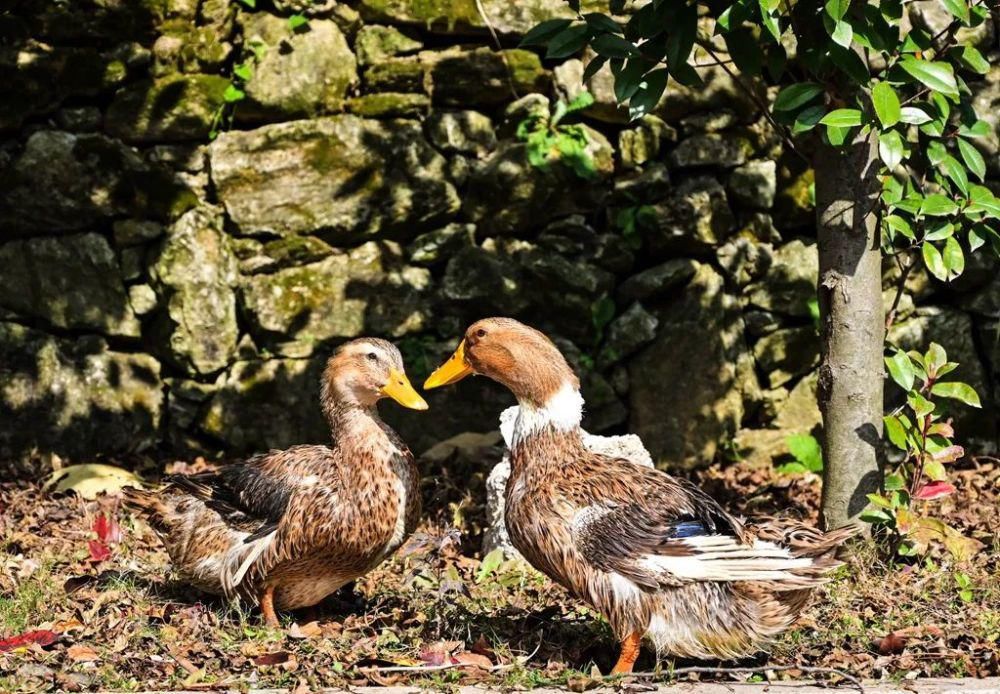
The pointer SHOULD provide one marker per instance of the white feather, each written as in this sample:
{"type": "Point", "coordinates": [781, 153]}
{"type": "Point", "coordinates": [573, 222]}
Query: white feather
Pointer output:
{"type": "Point", "coordinates": [240, 558]}
{"type": "Point", "coordinates": [562, 412]}
{"type": "Point", "coordinates": [723, 558]}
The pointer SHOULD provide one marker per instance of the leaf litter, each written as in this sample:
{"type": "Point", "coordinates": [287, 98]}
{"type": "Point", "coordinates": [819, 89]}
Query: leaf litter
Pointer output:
{"type": "Point", "coordinates": [87, 601]}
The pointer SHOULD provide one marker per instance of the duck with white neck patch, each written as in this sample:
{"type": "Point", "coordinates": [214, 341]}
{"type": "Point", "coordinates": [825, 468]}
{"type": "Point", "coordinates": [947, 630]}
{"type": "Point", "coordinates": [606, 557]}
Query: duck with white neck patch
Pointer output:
{"type": "Point", "coordinates": [654, 554]}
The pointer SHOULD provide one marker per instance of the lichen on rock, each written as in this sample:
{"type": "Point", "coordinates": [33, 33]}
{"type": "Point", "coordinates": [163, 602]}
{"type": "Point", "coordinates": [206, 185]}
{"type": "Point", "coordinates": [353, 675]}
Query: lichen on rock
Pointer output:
{"type": "Point", "coordinates": [195, 273]}
{"type": "Point", "coordinates": [342, 177]}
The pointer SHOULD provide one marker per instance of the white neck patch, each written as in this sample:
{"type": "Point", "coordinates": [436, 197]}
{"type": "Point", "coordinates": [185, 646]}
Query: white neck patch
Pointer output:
{"type": "Point", "coordinates": [562, 412]}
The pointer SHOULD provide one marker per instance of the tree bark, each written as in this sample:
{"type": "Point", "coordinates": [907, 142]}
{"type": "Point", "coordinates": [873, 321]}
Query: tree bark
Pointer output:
{"type": "Point", "coordinates": [852, 327]}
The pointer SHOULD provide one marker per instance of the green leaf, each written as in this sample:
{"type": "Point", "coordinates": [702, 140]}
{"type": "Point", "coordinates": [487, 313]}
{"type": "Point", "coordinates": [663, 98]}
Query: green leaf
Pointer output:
{"type": "Point", "coordinates": [612, 46]}
{"type": "Point", "coordinates": [680, 39]}
{"type": "Point", "coordinates": [938, 205]}
{"type": "Point", "coordinates": [648, 95]}
{"type": "Point", "coordinates": [568, 41]}
{"type": "Point", "coordinates": [836, 9]}
{"type": "Point", "coordinates": [744, 49]}
{"type": "Point", "coordinates": [935, 470]}
{"type": "Point", "coordinates": [900, 225]}
{"type": "Point", "coordinates": [920, 405]}
{"type": "Point", "coordinates": [972, 158]}
{"type": "Point", "coordinates": [297, 21]}
{"type": "Point", "coordinates": [934, 261]}
{"type": "Point", "coordinates": [977, 237]}
{"type": "Point", "coordinates": [978, 129]}
{"type": "Point", "coordinates": [914, 115]}
{"type": "Point", "coordinates": [840, 31]}
{"type": "Point", "coordinates": [942, 104]}
{"type": "Point", "coordinates": [628, 79]}
{"type": "Point", "coordinates": [243, 71]}
{"type": "Point", "coordinates": [879, 500]}
{"type": "Point", "coordinates": [954, 170]}
{"type": "Point", "coordinates": [954, 259]}
{"type": "Point", "coordinates": [893, 483]}
{"type": "Point", "coordinates": [807, 118]}
{"type": "Point", "coordinates": [842, 118]}
{"type": "Point", "coordinates": [791, 469]}
{"type": "Point", "coordinates": [541, 33]}
{"type": "Point", "coordinates": [901, 369]}
{"type": "Point", "coordinates": [971, 59]}
{"type": "Point", "coordinates": [895, 431]}
{"type": "Point", "coordinates": [959, 9]}
{"type": "Point", "coordinates": [595, 64]}
{"type": "Point", "coordinates": [252, 4]}
{"type": "Point", "coordinates": [956, 390]}
{"type": "Point", "coordinates": [936, 152]}
{"type": "Point", "coordinates": [886, 104]}
{"type": "Point", "coordinates": [601, 22]}
{"type": "Point", "coordinates": [940, 231]}
{"type": "Point", "coordinates": [489, 565]}
{"type": "Point", "coordinates": [796, 95]}
{"type": "Point", "coordinates": [891, 149]}
{"type": "Point", "coordinates": [806, 450]}
{"type": "Point", "coordinates": [935, 358]}
{"type": "Point", "coordinates": [770, 20]}
{"type": "Point", "coordinates": [850, 63]}
{"type": "Point", "coordinates": [936, 76]}
{"type": "Point", "coordinates": [984, 201]}
{"type": "Point", "coordinates": [233, 94]}
{"type": "Point", "coordinates": [837, 136]}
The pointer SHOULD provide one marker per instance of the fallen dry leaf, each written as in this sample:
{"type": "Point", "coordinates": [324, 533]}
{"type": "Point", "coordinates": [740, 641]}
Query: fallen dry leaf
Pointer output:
{"type": "Point", "coordinates": [473, 660]}
{"type": "Point", "coordinates": [276, 658]}
{"type": "Point", "coordinates": [82, 654]}
{"type": "Point", "coordinates": [306, 631]}
{"type": "Point", "coordinates": [91, 479]}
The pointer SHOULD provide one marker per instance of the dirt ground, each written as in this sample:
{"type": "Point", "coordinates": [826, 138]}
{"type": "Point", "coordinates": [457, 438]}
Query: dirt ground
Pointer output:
{"type": "Point", "coordinates": [86, 607]}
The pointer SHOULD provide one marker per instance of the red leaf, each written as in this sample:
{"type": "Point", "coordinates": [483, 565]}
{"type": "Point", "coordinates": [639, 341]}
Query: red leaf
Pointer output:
{"type": "Point", "coordinates": [934, 490]}
{"type": "Point", "coordinates": [276, 658]}
{"type": "Point", "coordinates": [98, 550]}
{"type": "Point", "coordinates": [42, 637]}
{"type": "Point", "coordinates": [107, 529]}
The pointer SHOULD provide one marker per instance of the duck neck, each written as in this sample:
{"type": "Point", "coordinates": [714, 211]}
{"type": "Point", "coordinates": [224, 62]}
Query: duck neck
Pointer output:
{"type": "Point", "coordinates": [551, 427]}
{"type": "Point", "coordinates": [358, 428]}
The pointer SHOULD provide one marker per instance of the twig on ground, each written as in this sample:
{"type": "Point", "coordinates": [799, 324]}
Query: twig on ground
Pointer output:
{"type": "Point", "coordinates": [672, 674]}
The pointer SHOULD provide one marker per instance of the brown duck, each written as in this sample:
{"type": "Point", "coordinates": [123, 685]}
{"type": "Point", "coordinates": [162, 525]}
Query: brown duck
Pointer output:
{"type": "Point", "coordinates": [287, 528]}
{"type": "Point", "coordinates": [654, 554]}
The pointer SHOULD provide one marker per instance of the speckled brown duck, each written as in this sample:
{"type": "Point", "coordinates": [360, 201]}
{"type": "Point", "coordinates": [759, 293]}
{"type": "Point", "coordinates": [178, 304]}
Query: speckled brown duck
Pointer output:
{"type": "Point", "coordinates": [654, 554]}
{"type": "Point", "coordinates": [287, 528]}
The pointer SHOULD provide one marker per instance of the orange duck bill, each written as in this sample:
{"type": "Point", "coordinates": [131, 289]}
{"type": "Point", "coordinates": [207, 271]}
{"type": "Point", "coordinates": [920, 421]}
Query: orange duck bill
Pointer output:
{"type": "Point", "coordinates": [399, 389]}
{"type": "Point", "coordinates": [452, 371]}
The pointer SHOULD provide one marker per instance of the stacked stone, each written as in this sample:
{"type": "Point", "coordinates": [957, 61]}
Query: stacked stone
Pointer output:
{"type": "Point", "coordinates": [163, 291]}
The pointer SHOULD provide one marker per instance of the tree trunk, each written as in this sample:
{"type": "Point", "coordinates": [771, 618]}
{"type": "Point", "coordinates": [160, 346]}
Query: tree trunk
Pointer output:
{"type": "Point", "coordinates": [853, 327]}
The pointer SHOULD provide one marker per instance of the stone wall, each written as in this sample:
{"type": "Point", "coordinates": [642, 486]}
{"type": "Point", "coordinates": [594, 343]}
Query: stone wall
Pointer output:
{"type": "Point", "coordinates": [163, 291]}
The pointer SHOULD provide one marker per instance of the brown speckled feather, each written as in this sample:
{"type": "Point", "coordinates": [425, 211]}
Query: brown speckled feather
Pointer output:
{"type": "Point", "coordinates": [305, 520]}
{"type": "Point", "coordinates": [654, 554]}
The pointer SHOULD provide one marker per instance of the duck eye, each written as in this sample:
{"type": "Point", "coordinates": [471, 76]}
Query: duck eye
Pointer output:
{"type": "Point", "coordinates": [481, 333]}
{"type": "Point", "coordinates": [372, 356]}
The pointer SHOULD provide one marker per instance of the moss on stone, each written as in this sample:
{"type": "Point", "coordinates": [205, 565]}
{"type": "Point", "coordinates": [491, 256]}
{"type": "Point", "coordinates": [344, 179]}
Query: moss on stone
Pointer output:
{"type": "Point", "coordinates": [170, 109]}
{"type": "Point", "coordinates": [389, 105]}
{"type": "Point", "coordinates": [375, 43]}
{"type": "Point", "coordinates": [396, 75]}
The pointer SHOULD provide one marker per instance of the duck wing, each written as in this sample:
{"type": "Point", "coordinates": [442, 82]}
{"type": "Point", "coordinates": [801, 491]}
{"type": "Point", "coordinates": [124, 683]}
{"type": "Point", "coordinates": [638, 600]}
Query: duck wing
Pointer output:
{"type": "Point", "coordinates": [656, 530]}
{"type": "Point", "coordinates": [254, 498]}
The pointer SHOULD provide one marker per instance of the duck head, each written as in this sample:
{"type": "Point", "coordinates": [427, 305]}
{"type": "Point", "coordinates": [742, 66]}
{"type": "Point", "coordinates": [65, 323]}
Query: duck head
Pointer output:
{"type": "Point", "coordinates": [522, 359]}
{"type": "Point", "coordinates": [363, 371]}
